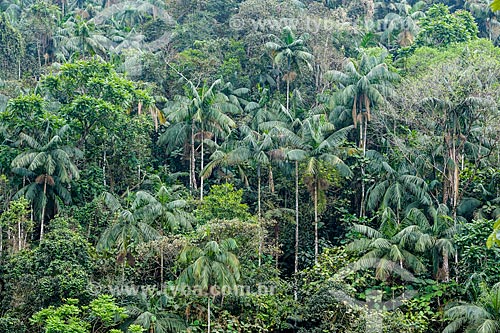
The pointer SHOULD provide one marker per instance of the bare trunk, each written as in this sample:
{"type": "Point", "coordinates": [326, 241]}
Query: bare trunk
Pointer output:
{"type": "Point", "coordinates": [446, 267]}
{"type": "Point", "coordinates": [288, 93]}
{"type": "Point", "coordinates": [19, 236]}
{"type": "Point", "coordinates": [271, 179]}
{"type": "Point", "coordinates": [316, 237]}
{"type": "Point", "coordinates": [201, 166]}
{"type": "Point", "coordinates": [104, 168]}
{"type": "Point", "coordinates": [208, 310]}
{"type": "Point", "coordinates": [259, 214]}
{"type": "Point", "coordinates": [161, 268]}
{"type": "Point", "coordinates": [361, 142]}
{"type": "Point", "coordinates": [296, 266]}
{"type": "Point", "coordinates": [43, 208]}
{"type": "Point", "coordinates": [192, 181]}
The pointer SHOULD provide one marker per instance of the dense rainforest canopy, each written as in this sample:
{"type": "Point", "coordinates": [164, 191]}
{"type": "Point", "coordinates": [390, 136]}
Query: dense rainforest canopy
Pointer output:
{"type": "Point", "coordinates": [249, 166]}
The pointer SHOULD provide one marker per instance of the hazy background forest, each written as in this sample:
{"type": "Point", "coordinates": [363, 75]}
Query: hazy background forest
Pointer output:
{"type": "Point", "coordinates": [249, 166]}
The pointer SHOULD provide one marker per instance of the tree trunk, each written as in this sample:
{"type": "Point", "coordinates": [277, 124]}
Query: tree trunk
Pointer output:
{"type": "Point", "coordinates": [104, 168]}
{"type": "Point", "coordinates": [161, 268]}
{"type": "Point", "coordinates": [361, 142]}
{"type": "Point", "coordinates": [208, 310]}
{"type": "Point", "coordinates": [271, 179]}
{"type": "Point", "coordinates": [259, 214]}
{"type": "Point", "coordinates": [316, 237]}
{"type": "Point", "coordinates": [43, 208]}
{"type": "Point", "coordinates": [201, 166]}
{"type": "Point", "coordinates": [446, 267]}
{"type": "Point", "coordinates": [288, 94]}
{"type": "Point", "coordinates": [296, 266]}
{"type": "Point", "coordinates": [19, 236]}
{"type": "Point", "coordinates": [192, 181]}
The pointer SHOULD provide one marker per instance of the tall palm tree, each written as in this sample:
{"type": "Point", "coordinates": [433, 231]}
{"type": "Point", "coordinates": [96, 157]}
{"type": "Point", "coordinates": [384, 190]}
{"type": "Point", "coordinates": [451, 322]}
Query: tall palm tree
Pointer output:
{"type": "Point", "coordinates": [363, 85]}
{"type": "Point", "coordinates": [320, 147]}
{"type": "Point", "coordinates": [386, 247]}
{"type": "Point", "coordinates": [151, 314]}
{"type": "Point", "coordinates": [51, 167]}
{"type": "Point", "coordinates": [292, 53]}
{"type": "Point", "coordinates": [203, 113]}
{"type": "Point", "coordinates": [454, 118]}
{"type": "Point", "coordinates": [210, 267]}
{"type": "Point", "coordinates": [285, 124]}
{"type": "Point", "coordinates": [259, 146]}
{"type": "Point", "coordinates": [482, 316]}
{"type": "Point", "coordinates": [130, 228]}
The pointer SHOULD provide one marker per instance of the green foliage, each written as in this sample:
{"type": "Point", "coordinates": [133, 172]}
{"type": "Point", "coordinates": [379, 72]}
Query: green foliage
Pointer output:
{"type": "Point", "coordinates": [477, 258]}
{"type": "Point", "coordinates": [102, 313]}
{"type": "Point", "coordinates": [58, 269]}
{"type": "Point", "coordinates": [12, 46]}
{"type": "Point", "coordinates": [223, 203]}
{"type": "Point", "coordinates": [440, 28]}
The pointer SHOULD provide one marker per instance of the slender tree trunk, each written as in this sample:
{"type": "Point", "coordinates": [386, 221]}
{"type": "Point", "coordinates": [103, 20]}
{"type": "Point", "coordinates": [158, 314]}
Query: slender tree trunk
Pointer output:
{"type": "Point", "coordinates": [208, 310]}
{"type": "Point", "coordinates": [446, 267]}
{"type": "Point", "coordinates": [104, 168]}
{"type": "Point", "coordinates": [271, 179]}
{"type": "Point", "coordinates": [277, 239]}
{"type": "Point", "coordinates": [192, 182]}
{"type": "Point", "coordinates": [455, 182]}
{"type": "Point", "coordinates": [123, 270]}
{"type": "Point", "coordinates": [361, 142]}
{"type": "Point", "coordinates": [259, 214]}
{"type": "Point", "coordinates": [288, 94]}
{"type": "Point", "coordinates": [161, 268]}
{"type": "Point", "coordinates": [316, 236]}
{"type": "Point", "coordinates": [19, 236]}
{"type": "Point", "coordinates": [43, 208]}
{"type": "Point", "coordinates": [202, 160]}
{"type": "Point", "coordinates": [296, 266]}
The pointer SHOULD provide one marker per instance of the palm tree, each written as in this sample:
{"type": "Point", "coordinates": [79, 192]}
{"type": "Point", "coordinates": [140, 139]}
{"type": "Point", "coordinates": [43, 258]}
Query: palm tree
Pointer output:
{"type": "Point", "coordinates": [396, 188]}
{"type": "Point", "coordinates": [81, 36]}
{"type": "Point", "coordinates": [204, 113]}
{"type": "Point", "coordinates": [436, 236]}
{"type": "Point", "coordinates": [320, 147]}
{"type": "Point", "coordinates": [403, 22]}
{"type": "Point", "coordinates": [482, 316]}
{"type": "Point", "coordinates": [258, 145]}
{"type": "Point", "coordinates": [485, 17]}
{"type": "Point", "coordinates": [166, 206]}
{"type": "Point", "coordinates": [284, 125]}
{"type": "Point", "coordinates": [51, 167]}
{"type": "Point", "coordinates": [291, 52]}
{"type": "Point", "coordinates": [210, 267]}
{"type": "Point", "coordinates": [455, 119]}
{"type": "Point", "coordinates": [386, 247]}
{"type": "Point", "coordinates": [131, 227]}
{"type": "Point", "coordinates": [363, 85]}
{"type": "Point", "coordinates": [151, 314]}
